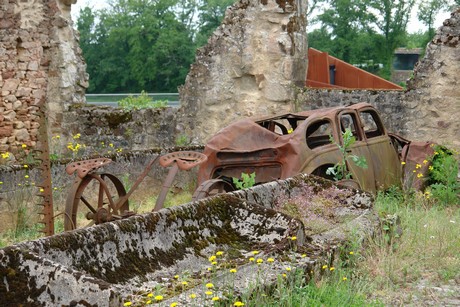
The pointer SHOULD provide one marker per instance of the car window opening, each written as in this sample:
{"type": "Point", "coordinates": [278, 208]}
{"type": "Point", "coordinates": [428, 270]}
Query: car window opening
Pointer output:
{"type": "Point", "coordinates": [319, 134]}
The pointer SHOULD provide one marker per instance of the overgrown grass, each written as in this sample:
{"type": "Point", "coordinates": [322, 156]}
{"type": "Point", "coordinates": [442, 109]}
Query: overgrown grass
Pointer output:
{"type": "Point", "coordinates": [27, 230]}
{"type": "Point", "coordinates": [426, 247]}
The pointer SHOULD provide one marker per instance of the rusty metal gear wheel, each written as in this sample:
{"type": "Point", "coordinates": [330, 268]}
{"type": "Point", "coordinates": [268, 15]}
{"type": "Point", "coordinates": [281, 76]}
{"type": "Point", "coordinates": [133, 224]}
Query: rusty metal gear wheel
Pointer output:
{"type": "Point", "coordinates": [92, 200]}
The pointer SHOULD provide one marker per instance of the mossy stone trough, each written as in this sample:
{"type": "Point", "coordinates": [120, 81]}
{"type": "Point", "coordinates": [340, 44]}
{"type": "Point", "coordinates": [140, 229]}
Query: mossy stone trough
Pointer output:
{"type": "Point", "coordinates": [106, 265]}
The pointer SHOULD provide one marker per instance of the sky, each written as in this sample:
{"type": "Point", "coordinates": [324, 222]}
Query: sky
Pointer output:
{"type": "Point", "coordinates": [413, 26]}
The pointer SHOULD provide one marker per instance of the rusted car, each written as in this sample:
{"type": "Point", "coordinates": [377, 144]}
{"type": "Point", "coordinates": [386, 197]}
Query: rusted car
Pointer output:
{"type": "Point", "coordinates": [278, 147]}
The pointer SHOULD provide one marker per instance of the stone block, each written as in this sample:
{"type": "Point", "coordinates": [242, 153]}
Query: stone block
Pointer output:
{"type": "Point", "coordinates": [33, 65]}
{"type": "Point", "coordinates": [6, 132]}
{"type": "Point", "coordinates": [23, 91]}
{"type": "Point", "coordinates": [9, 115]}
{"type": "Point", "coordinates": [21, 135]}
{"type": "Point", "coordinates": [10, 85]}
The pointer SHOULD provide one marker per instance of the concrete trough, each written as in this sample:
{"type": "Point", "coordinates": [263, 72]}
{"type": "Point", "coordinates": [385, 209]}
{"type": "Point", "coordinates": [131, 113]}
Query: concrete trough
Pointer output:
{"type": "Point", "coordinates": [108, 264]}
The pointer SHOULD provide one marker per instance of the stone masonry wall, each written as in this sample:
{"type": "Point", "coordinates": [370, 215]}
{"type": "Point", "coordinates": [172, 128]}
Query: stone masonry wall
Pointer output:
{"type": "Point", "coordinates": [127, 129]}
{"type": "Point", "coordinates": [433, 99]}
{"type": "Point", "coordinates": [249, 66]}
{"type": "Point", "coordinates": [39, 61]}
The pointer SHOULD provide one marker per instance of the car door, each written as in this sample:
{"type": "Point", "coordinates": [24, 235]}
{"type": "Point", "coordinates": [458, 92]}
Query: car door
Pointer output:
{"type": "Point", "coordinates": [348, 119]}
{"type": "Point", "coordinates": [386, 163]}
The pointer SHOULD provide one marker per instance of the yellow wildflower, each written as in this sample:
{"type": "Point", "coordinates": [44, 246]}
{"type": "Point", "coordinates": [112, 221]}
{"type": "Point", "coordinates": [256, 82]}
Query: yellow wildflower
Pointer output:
{"type": "Point", "coordinates": [270, 260]}
{"type": "Point", "coordinates": [303, 255]}
{"type": "Point", "coordinates": [212, 258]}
{"type": "Point", "coordinates": [185, 283]}
{"type": "Point", "coordinates": [174, 304]}
{"type": "Point", "coordinates": [418, 165]}
{"type": "Point", "coordinates": [324, 267]}
{"type": "Point", "coordinates": [259, 261]}
{"type": "Point", "coordinates": [24, 146]}
{"type": "Point", "coordinates": [219, 253]}
{"type": "Point", "coordinates": [215, 298]}
{"type": "Point", "coordinates": [351, 253]}
{"type": "Point", "coordinates": [232, 270]}
{"type": "Point", "coordinates": [42, 190]}
{"type": "Point", "coordinates": [111, 145]}
{"type": "Point", "coordinates": [403, 163]}
{"type": "Point", "coordinates": [430, 167]}
{"type": "Point", "coordinates": [149, 302]}
{"type": "Point", "coordinates": [288, 269]}
{"type": "Point", "coordinates": [26, 166]}
{"type": "Point", "coordinates": [293, 238]}
{"type": "Point", "coordinates": [214, 262]}
{"type": "Point", "coordinates": [210, 269]}
{"type": "Point", "coordinates": [127, 303]}
{"type": "Point", "coordinates": [193, 295]}
{"type": "Point", "coordinates": [238, 304]}
{"type": "Point", "coordinates": [26, 176]}
{"type": "Point", "coordinates": [150, 295]}
{"type": "Point", "coordinates": [159, 297]}
{"type": "Point", "coordinates": [209, 285]}
{"type": "Point", "coordinates": [255, 252]}
{"type": "Point", "coordinates": [344, 278]}
{"type": "Point", "coordinates": [419, 175]}
{"type": "Point", "coordinates": [176, 276]}
{"type": "Point", "coordinates": [331, 268]}
{"type": "Point", "coordinates": [425, 161]}
{"type": "Point", "coordinates": [284, 275]}
{"type": "Point", "coordinates": [208, 293]}
{"type": "Point", "coordinates": [251, 259]}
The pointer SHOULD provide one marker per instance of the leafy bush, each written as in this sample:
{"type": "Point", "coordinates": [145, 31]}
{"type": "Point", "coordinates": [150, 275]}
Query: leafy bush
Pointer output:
{"type": "Point", "coordinates": [142, 101]}
{"type": "Point", "coordinates": [443, 181]}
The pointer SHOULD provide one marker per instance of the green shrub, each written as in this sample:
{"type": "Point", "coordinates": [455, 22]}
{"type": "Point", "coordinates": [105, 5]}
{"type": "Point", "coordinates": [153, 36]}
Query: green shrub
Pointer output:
{"type": "Point", "coordinates": [142, 101]}
{"type": "Point", "coordinates": [443, 181]}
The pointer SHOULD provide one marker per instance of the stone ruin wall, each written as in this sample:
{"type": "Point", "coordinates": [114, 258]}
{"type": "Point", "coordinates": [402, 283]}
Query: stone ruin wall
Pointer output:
{"type": "Point", "coordinates": [40, 60]}
{"type": "Point", "coordinates": [432, 101]}
{"type": "Point", "coordinates": [249, 66]}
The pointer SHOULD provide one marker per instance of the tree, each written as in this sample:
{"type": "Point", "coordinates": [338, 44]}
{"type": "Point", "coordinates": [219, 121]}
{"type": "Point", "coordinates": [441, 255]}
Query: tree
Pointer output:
{"type": "Point", "coordinates": [344, 19]}
{"type": "Point", "coordinates": [137, 45]}
{"type": "Point", "coordinates": [211, 13]}
{"type": "Point", "coordinates": [428, 11]}
{"type": "Point", "coordinates": [390, 17]}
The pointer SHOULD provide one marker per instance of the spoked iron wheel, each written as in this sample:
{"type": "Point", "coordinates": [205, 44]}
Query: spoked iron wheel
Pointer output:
{"type": "Point", "coordinates": [93, 200]}
{"type": "Point", "coordinates": [212, 187]}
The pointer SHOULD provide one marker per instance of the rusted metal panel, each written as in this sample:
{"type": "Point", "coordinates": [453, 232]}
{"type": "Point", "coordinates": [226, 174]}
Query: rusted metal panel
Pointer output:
{"type": "Point", "coordinates": [344, 75]}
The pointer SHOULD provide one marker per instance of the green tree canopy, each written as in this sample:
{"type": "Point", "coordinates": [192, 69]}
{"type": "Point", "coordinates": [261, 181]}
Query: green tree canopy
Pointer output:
{"type": "Point", "coordinates": [137, 45]}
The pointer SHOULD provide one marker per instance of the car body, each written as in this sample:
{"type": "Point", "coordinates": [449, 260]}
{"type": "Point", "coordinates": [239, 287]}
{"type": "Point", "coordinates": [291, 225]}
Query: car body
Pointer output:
{"type": "Point", "coordinates": [281, 146]}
